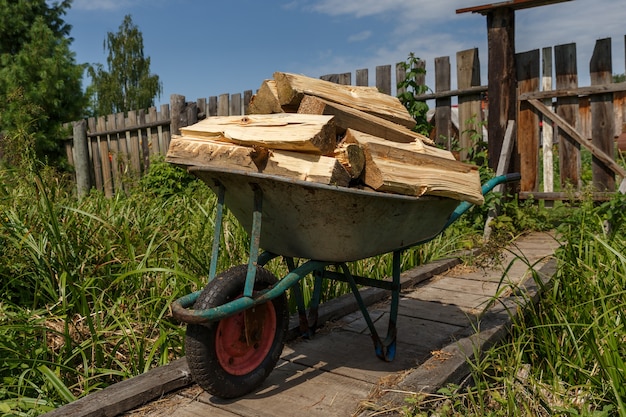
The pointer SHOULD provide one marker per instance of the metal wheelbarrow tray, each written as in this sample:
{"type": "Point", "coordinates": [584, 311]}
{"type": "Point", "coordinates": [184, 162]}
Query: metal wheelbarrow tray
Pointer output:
{"type": "Point", "coordinates": [238, 322]}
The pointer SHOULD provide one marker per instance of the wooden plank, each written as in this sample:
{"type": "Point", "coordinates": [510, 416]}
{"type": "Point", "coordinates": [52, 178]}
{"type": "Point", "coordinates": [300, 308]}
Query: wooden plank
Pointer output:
{"type": "Point", "coordinates": [135, 161]}
{"type": "Point", "coordinates": [565, 196]}
{"type": "Point", "coordinates": [383, 79]}
{"type": "Point", "coordinates": [285, 394]}
{"type": "Point", "coordinates": [547, 132]}
{"type": "Point", "coordinates": [292, 88]}
{"type": "Point", "coordinates": [362, 77]}
{"type": "Point", "coordinates": [236, 107]}
{"type": "Point", "coordinates": [602, 116]}
{"type": "Point", "coordinates": [223, 105]}
{"type": "Point", "coordinates": [152, 133]}
{"type": "Point", "coordinates": [508, 4]}
{"type": "Point", "coordinates": [567, 110]}
{"type": "Point", "coordinates": [576, 91]}
{"type": "Point", "coordinates": [165, 128]}
{"type": "Point", "coordinates": [95, 155]}
{"type": "Point", "coordinates": [470, 114]}
{"type": "Point", "coordinates": [105, 162]}
{"type": "Point", "coordinates": [247, 97]}
{"type": "Point", "coordinates": [343, 78]}
{"type": "Point", "coordinates": [501, 69]}
{"type": "Point", "coordinates": [126, 395]}
{"type": "Point", "coordinates": [400, 77]}
{"type": "Point", "coordinates": [114, 153]}
{"type": "Point", "coordinates": [144, 141]}
{"type": "Point", "coordinates": [212, 108]}
{"type": "Point", "coordinates": [528, 123]}
{"type": "Point", "coordinates": [443, 106]}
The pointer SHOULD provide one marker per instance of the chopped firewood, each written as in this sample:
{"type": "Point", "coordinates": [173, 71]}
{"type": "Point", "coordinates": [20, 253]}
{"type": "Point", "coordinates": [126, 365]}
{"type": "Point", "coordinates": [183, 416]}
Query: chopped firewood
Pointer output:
{"type": "Point", "coordinates": [396, 168]}
{"type": "Point", "coordinates": [284, 131]}
{"type": "Point", "coordinates": [352, 157]}
{"type": "Point", "coordinates": [347, 117]}
{"type": "Point", "coordinates": [292, 88]}
{"type": "Point", "coordinates": [206, 152]}
{"type": "Point", "coordinates": [265, 101]}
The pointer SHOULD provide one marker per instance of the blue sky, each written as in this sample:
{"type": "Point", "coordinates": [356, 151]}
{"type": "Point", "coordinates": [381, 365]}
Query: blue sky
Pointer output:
{"type": "Point", "coordinates": [205, 48]}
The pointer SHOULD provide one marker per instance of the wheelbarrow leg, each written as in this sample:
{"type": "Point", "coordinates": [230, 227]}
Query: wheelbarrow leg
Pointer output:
{"type": "Point", "coordinates": [297, 293]}
{"type": "Point", "coordinates": [385, 349]}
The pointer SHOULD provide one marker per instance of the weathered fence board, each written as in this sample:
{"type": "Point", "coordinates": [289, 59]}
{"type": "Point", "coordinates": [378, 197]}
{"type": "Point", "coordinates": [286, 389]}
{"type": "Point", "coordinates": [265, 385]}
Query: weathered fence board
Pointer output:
{"type": "Point", "coordinates": [527, 120]}
{"type": "Point", "coordinates": [470, 110]}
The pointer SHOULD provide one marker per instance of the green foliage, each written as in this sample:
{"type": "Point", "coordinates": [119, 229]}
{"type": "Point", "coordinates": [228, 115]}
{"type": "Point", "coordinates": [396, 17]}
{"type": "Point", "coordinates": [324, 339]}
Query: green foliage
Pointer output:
{"type": "Point", "coordinates": [165, 180]}
{"type": "Point", "coordinates": [40, 82]}
{"type": "Point", "coordinates": [413, 86]}
{"type": "Point", "coordinates": [127, 83]}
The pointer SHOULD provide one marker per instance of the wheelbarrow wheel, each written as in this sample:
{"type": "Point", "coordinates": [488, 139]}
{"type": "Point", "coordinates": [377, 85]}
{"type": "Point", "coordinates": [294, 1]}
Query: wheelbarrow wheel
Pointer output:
{"type": "Point", "coordinates": [231, 357]}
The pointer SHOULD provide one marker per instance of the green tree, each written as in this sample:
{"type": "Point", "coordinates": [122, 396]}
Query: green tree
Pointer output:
{"type": "Point", "coordinates": [40, 82]}
{"type": "Point", "coordinates": [128, 84]}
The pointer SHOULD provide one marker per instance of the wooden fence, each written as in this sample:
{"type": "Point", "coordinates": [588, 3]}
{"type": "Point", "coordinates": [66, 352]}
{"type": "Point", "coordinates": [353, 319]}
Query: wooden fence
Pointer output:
{"type": "Point", "coordinates": [120, 147]}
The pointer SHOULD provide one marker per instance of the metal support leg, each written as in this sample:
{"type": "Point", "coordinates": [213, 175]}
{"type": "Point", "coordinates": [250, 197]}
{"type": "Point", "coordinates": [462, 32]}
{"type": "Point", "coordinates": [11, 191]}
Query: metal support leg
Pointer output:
{"type": "Point", "coordinates": [255, 239]}
{"type": "Point", "coordinates": [217, 233]}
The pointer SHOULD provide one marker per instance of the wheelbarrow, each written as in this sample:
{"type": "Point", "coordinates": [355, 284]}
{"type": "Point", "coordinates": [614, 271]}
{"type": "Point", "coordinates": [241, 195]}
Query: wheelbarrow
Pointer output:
{"type": "Point", "coordinates": [236, 325]}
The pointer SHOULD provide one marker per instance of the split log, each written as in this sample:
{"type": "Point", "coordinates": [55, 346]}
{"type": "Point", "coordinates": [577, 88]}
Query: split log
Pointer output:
{"type": "Point", "coordinates": [265, 101]}
{"type": "Point", "coordinates": [352, 157]}
{"type": "Point", "coordinates": [397, 168]}
{"type": "Point", "coordinates": [285, 131]}
{"type": "Point", "coordinates": [292, 88]}
{"type": "Point", "coordinates": [205, 152]}
{"type": "Point", "coordinates": [348, 118]}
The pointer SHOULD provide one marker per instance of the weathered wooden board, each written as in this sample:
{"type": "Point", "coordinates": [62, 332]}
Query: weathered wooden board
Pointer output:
{"type": "Point", "coordinates": [567, 108]}
{"type": "Point", "coordinates": [528, 65]}
{"type": "Point", "coordinates": [286, 131]}
{"type": "Point", "coordinates": [293, 390]}
{"type": "Point", "coordinates": [292, 88]}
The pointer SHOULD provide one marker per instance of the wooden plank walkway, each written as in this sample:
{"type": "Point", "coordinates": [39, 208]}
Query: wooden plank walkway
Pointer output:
{"type": "Point", "coordinates": [337, 373]}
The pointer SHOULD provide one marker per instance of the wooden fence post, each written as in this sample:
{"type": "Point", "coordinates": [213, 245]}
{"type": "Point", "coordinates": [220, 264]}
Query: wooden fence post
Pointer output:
{"type": "Point", "coordinates": [602, 116]}
{"type": "Point", "coordinates": [547, 132]}
{"type": "Point", "coordinates": [81, 157]}
{"type": "Point", "coordinates": [443, 106]}
{"type": "Point", "coordinates": [567, 107]}
{"type": "Point", "coordinates": [468, 75]}
{"type": "Point", "coordinates": [177, 113]}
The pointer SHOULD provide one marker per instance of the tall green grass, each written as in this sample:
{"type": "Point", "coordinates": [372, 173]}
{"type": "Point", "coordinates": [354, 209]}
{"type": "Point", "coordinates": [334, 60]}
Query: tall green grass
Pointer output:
{"type": "Point", "coordinates": [566, 355]}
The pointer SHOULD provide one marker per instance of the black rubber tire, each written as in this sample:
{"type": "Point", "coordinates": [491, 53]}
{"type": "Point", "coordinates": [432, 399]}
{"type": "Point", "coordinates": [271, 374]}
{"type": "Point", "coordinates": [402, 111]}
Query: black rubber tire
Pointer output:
{"type": "Point", "coordinates": [201, 339]}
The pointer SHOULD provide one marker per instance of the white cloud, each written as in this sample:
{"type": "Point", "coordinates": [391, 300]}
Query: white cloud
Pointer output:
{"type": "Point", "coordinates": [361, 36]}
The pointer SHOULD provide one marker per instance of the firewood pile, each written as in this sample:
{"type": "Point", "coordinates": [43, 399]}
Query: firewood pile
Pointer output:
{"type": "Point", "coordinates": [313, 130]}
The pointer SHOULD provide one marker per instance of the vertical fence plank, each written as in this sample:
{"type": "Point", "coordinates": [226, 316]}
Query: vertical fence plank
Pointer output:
{"type": "Point", "coordinates": [202, 109]}
{"type": "Point", "coordinates": [362, 77]}
{"type": "Point", "coordinates": [602, 116]}
{"type": "Point", "coordinates": [383, 78]}
{"type": "Point", "coordinates": [223, 105]}
{"type": "Point", "coordinates": [247, 97]}
{"type": "Point", "coordinates": [213, 106]}
{"type": "Point", "coordinates": [79, 133]}
{"type": "Point", "coordinates": [95, 153]}
{"type": "Point", "coordinates": [153, 133]}
{"type": "Point", "coordinates": [567, 107]}
{"type": "Point", "coordinates": [527, 70]}
{"type": "Point", "coordinates": [135, 161]}
{"type": "Point", "coordinates": [105, 160]}
{"type": "Point", "coordinates": [166, 133]}
{"type": "Point", "coordinates": [177, 103]}
{"type": "Point", "coordinates": [470, 112]}
{"type": "Point", "coordinates": [547, 132]}
{"type": "Point", "coordinates": [443, 106]}
{"type": "Point", "coordinates": [122, 144]}
{"type": "Point", "coordinates": [400, 77]}
{"type": "Point", "coordinates": [114, 153]}
{"type": "Point", "coordinates": [235, 105]}
{"type": "Point", "coordinates": [143, 140]}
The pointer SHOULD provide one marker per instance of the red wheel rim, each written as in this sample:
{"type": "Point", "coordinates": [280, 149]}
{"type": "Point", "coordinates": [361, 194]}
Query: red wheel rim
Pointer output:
{"type": "Point", "coordinates": [243, 341]}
